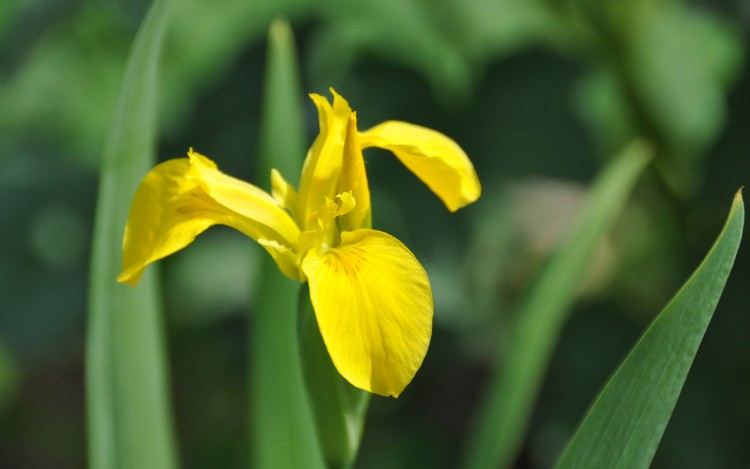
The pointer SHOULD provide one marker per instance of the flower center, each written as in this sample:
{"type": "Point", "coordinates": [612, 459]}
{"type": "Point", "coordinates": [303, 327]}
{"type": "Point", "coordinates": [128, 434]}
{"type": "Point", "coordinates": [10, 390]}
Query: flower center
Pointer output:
{"type": "Point", "coordinates": [326, 234]}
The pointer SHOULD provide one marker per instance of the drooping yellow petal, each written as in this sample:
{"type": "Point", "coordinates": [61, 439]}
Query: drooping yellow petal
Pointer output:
{"type": "Point", "coordinates": [434, 158]}
{"type": "Point", "coordinates": [241, 197]}
{"type": "Point", "coordinates": [181, 198]}
{"type": "Point", "coordinates": [322, 167]}
{"type": "Point", "coordinates": [354, 179]}
{"type": "Point", "coordinates": [373, 303]}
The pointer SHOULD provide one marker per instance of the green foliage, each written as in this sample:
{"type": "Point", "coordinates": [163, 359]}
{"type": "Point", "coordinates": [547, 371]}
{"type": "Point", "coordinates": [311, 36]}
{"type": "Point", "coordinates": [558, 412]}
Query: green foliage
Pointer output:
{"type": "Point", "coordinates": [659, 69]}
{"type": "Point", "coordinates": [403, 31]}
{"type": "Point", "coordinates": [624, 425]}
{"type": "Point", "coordinates": [280, 414]}
{"type": "Point", "coordinates": [538, 92]}
{"type": "Point", "coordinates": [340, 409]}
{"type": "Point", "coordinates": [129, 416]}
{"type": "Point", "coordinates": [80, 63]}
{"type": "Point", "coordinates": [8, 12]}
{"type": "Point", "coordinates": [504, 416]}
{"type": "Point", "coordinates": [82, 57]}
{"type": "Point", "coordinates": [9, 379]}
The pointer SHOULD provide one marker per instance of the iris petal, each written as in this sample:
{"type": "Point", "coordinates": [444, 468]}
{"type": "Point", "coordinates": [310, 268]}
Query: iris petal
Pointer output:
{"type": "Point", "coordinates": [354, 179]}
{"type": "Point", "coordinates": [434, 158]}
{"type": "Point", "coordinates": [322, 167]}
{"type": "Point", "coordinates": [283, 192]}
{"type": "Point", "coordinates": [373, 304]}
{"type": "Point", "coordinates": [181, 198]}
{"type": "Point", "coordinates": [243, 198]}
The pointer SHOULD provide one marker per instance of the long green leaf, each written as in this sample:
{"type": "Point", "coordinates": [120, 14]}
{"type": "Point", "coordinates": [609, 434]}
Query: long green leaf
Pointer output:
{"type": "Point", "coordinates": [129, 417]}
{"type": "Point", "coordinates": [283, 434]}
{"type": "Point", "coordinates": [505, 413]}
{"type": "Point", "coordinates": [624, 425]}
{"type": "Point", "coordinates": [340, 409]}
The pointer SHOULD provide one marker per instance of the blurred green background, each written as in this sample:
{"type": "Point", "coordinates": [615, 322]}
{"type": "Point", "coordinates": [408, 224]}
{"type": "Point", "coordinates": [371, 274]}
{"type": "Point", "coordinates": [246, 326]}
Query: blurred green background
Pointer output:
{"type": "Point", "coordinates": [538, 93]}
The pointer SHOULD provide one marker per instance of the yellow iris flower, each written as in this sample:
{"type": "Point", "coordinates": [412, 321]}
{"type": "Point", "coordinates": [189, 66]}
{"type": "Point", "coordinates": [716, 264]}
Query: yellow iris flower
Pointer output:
{"type": "Point", "coordinates": [371, 296]}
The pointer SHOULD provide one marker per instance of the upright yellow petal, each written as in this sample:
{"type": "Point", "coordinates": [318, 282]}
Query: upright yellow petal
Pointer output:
{"type": "Point", "coordinates": [283, 192]}
{"type": "Point", "coordinates": [322, 167]}
{"type": "Point", "coordinates": [436, 159]}
{"type": "Point", "coordinates": [373, 303]}
{"type": "Point", "coordinates": [354, 179]}
{"type": "Point", "coordinates": [181, 198]}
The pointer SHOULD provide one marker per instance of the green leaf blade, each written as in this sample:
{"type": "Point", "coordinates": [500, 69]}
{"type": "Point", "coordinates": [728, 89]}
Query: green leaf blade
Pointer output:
{"type": "Point", "coordinates": [504, 416]}
{"type": "Point", "coordinates": [625, 424]}
{"type": "Point", "coordinates": [283, 433]}
{"type": "Point", "coordinates": [340, 409]}
{"type": "Point", "coordinates": [128, 409]}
